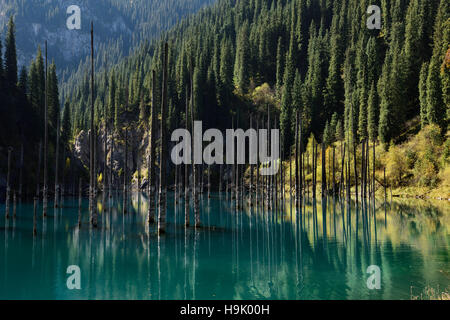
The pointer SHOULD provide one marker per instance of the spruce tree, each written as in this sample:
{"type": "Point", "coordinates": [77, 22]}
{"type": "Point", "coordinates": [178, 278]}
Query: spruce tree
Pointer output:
{"type": "Point", "coordinates": [11, 56]}
{"type": "Point", "coordinates": [53, 96]}
{"type": "Point", "coordinates": [423, 94]}
{"type": "Point", "coordinates": [372, 114]}
{"type": "Point", "coordinates": [66, 128]}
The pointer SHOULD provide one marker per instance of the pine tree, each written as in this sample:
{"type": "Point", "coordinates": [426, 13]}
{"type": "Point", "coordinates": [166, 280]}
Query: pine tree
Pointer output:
{"type": "Point", "coordinates": [327, 135]}
{"type": "Point", "coordinates": [11, 56]}
{"type": "Point", "coordinates": [53, 96]}
{"type": "Point", "coordinates": [241, 65]}
{"type": "Point", "coordinates": [339, 134]}
{"type": "Point", "coordinates": [112, 97]}
{"type": "Point", "coordinates": [23, 81]}
{"type": "Point", "coordinates": [66, 127]}
{"type": "Point", "coordinates": [363, 122]}
{"type": "Point", "coordinates": [423, 94]}
{"type": "Point", "coordinates": [372, 116]}
{"type": "Point", "coordinates": [280, 64]}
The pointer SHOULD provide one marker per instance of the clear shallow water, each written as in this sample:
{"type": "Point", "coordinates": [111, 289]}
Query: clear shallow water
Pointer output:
{"type": "Point", "coordinates": [321, 252]}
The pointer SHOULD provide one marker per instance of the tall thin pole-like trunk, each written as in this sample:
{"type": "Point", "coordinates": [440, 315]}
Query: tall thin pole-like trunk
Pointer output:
{"type": "Point", "coordinates": [36, 199]}
{"type": "Point", "coordinates": [80, 196]}
{"type": "Point", "coordinates": [38, 177]}
{"type": "Point", "coordinates": [151, 156]}
{"type": "Point", "coordinates": [257, 166]}
{"type": "Point", "coordinates": [194, 166]}
{"type": "Point", "coordinates": [324, 170]}
{"type": "Point", "coordinates": [8, 182]}
{"type": "Point", "coordinates": [186, 167]}
{"type": "Point", "coordinates": [105, 161]}
{"type": "Point", "coordinates": [162, 165]}
{"type": "Point", "coordinates": [334, 174]}
{"type": "Point", "coordinates": [93, 175]}
{"type": "Point", "coordinates": [373, 173]}
{"type": "Point", "coordinates": [269, 190]}
{"type": "Point", "coordinates": [45, 190]}
{"type": "Point", "coordinates": [125, 174]}
{"type": "Point", "coordinates": [21, 173]}
{"type": "Point", "coordinates": [251, 170]}
{"type": "Point", "coordinates": [300, 153]}
{"type": "Point", "coordinates": [111, 164]}
{"type": "Point", "coordinates": [57, 165]}
{"type": "Point", "coordinates": [356, 172]}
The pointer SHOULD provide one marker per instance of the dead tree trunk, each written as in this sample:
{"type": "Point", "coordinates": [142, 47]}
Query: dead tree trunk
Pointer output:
{"type": "Point", "coordinates": [251, 171]}
{"type": "Point", "coordinates": [45, 190]}
{"type": "Point", "coordinates": [92, 207]}
{"type": "Point", "coordinates": [324, 171]}
{"type": "Point", "coordinates": [151, 156]}
{"type": "Point", "coordinates": [356, 173]}
{"type": "Point", "coordinates": [8, 182]}
{"type": "Point", "coordinates": [186, 168]}
{"type": "Point", "coordinates": [38, 177]}
{"type": "Point", "coordinates": [21, 173]}
{"type": "Point", "coordinates": [125, 175]}
{"type": "Point", "coordinates": [57, 165]}
{"type": "Point", "coordinates": [162, 166]}
{"type": "Point", "coordinates": [80, 196]}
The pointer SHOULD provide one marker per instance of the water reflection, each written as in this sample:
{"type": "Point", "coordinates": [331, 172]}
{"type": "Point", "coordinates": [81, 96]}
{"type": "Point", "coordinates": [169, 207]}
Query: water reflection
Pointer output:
{"type": "Point", "coordinates": [320, 250]}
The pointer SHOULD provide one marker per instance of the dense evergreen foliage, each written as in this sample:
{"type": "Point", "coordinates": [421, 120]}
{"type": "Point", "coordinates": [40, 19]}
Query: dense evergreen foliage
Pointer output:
{"type": "Point", "coordinates": [22, 103]}
{"type": "Point", "coordinates": [317, 57]}
{"type": "Point", "coordinates": [249, 57]}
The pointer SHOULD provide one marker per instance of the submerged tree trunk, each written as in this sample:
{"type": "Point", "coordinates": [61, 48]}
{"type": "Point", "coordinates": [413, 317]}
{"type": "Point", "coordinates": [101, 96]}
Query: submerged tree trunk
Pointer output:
{"type": "Point", "coordinates": [92, 187]}
{"type": "Point", "coordinates": [45, 190]}
{"type": "Point", "coordinates": [194, 167]}
{"type": "Point", "coordinates": [162, 166]}
{"type": "Point", "coordinates": [57, 166]}
{"type": "Point", "coordinates": [8, 183]}
{"type": "Point", "coordinates": [38, 177]}
{"type": "Point", "coordinates": [21, 173]}
{"type": "Point", "coordinates": [186, 168]}
{"type": "Point", "coordinates": [125, 175]}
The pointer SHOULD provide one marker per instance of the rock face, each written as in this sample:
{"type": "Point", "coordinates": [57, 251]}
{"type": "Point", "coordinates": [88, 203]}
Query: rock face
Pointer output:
{"type": "Point", "coordinates": [138, 139]}
{"type": "Point", "coordinates": [81, 147]}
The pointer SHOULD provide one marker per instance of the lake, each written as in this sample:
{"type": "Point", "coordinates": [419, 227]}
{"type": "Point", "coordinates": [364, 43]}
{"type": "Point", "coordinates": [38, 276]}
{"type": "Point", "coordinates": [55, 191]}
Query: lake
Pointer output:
{"type": "Point", "coordinates": [319, 252]}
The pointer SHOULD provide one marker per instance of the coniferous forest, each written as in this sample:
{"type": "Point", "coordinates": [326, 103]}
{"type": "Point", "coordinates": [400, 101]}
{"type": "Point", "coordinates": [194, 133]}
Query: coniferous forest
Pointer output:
{"type": "Point", "coordinates": [363, 113]}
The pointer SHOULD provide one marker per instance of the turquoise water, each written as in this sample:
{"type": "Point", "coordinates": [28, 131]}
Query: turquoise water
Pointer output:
{"type": "Point", "coordinates": [320, 252]}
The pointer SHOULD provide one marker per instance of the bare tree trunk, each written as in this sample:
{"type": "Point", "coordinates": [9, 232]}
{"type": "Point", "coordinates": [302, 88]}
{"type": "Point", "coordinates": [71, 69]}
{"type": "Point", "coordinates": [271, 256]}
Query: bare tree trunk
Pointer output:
{"type": "Point", "coordinates": [300, 149]}
{"type": "Point", "coordinates": [151, 176]}
{"type": "Point", "coordinates": [251, 171]}
{"type": "Point", "coordinates": [57, 165]}
{"type": "Point", "coordinates": [356, 173]}
{"type": "Point", "coordinates": [21, 173]}
{"type": "Point", "coordinates": [80, 196]}
{"type": "Point", "coordinates": [324, 171]}
{"type": "Point", "coordinates": [105, 161]}
{"type": "Point", "coordinates": [93, 175]}
{"type": "Point", "coordinates": [162, 166]}
{"type": "Point", "coordinates": [38, 177]}
{"type": "Point", "coordinates": [45, 190]}
{"type": "Point", "coordinates": [209, 181]}
{"type": "Point", "coordinates": [8, 183]}
{"type": "Point", "coordinates": [125, 175]}
{"type": "Point", "coordinates": [373, 173]}
{"type": "Point", "coordinates": [186, 167]}
{"type": "Point", "coordinates": [36, 199]}
{"type": "Point", "coordinates": [111, 164]}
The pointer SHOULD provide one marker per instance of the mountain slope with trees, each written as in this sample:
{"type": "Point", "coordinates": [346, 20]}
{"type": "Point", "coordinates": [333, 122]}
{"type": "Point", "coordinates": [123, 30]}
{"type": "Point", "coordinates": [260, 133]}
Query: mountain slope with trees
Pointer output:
{"type": "Point", "coordinates": [316, 58]}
